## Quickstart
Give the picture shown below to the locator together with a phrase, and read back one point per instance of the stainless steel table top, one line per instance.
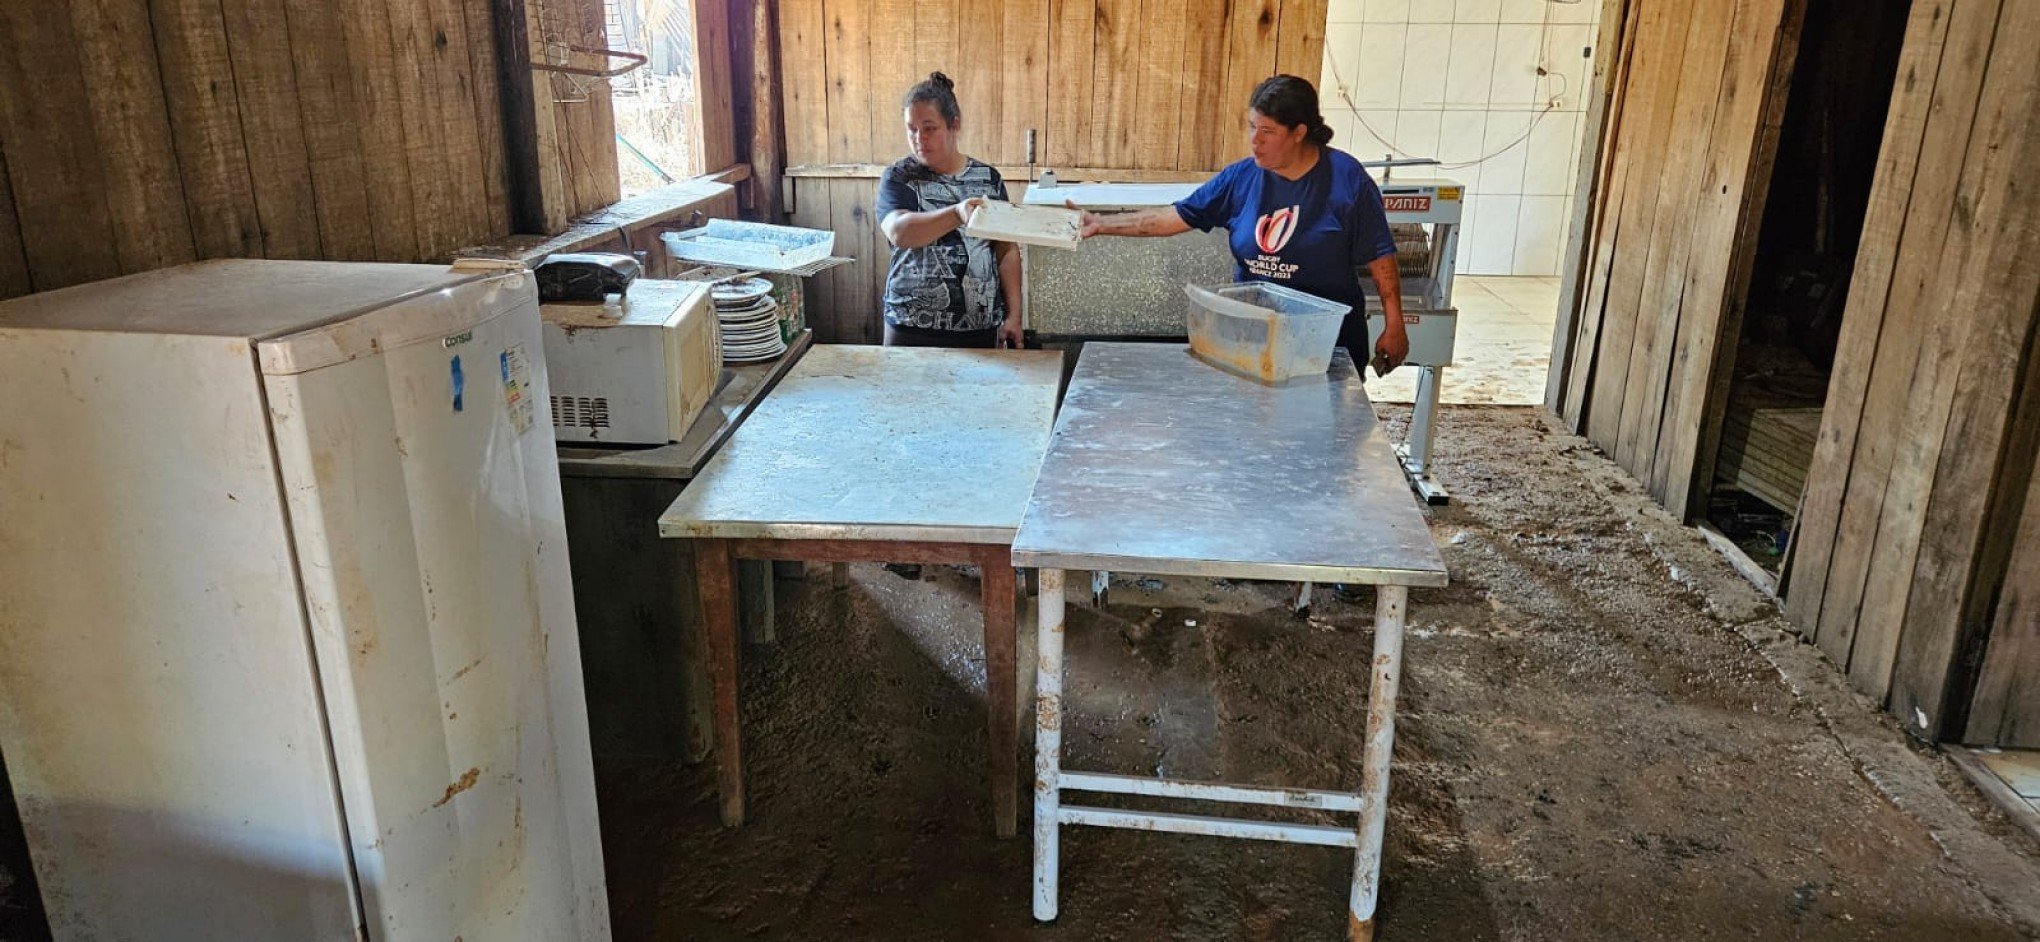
(1164, 464)
(882, 443)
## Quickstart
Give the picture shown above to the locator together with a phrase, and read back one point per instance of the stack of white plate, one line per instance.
(750, 321)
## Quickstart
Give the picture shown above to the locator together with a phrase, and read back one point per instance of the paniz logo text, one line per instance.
(1406, 204)
(457, 339)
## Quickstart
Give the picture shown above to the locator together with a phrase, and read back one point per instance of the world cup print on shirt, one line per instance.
(1271, 235)
(1273, 230)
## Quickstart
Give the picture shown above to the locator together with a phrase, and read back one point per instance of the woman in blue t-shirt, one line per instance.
(1298, 213)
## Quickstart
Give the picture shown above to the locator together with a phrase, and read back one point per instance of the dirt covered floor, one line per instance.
(1604, 734)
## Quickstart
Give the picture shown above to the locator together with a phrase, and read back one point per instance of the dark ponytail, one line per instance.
(940, 90)
(1291, 102)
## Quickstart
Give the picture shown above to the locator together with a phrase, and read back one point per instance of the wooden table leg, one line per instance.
(995, 568)
(716, 573)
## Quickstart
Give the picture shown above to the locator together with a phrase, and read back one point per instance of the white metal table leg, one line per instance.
(1415, 451)
(1390, 605)
(1048, 711)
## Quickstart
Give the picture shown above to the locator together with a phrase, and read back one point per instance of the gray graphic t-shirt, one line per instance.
(952, 283)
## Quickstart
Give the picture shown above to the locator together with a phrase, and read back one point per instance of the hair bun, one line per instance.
(942, 81)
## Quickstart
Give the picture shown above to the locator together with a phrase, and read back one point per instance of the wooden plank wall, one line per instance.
(1911, 516)
(1129, 85)
(136, 134)
(1685, 165)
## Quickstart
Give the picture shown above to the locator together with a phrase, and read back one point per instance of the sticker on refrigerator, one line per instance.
(517, 387)
(459, 383)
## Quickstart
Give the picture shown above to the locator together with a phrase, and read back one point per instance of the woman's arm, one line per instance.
(912, 230)
(1007, 255)
(1394, 345)
(1158, 221)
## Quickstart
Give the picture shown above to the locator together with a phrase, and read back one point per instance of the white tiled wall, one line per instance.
(1459, 80)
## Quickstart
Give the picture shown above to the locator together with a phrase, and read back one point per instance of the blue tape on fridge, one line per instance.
(459, 383)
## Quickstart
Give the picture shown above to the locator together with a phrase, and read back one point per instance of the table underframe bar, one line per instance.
(1371, 801)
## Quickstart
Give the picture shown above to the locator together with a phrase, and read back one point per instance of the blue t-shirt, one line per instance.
(1313, 234)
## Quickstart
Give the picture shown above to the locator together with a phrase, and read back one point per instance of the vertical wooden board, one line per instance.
(1115, 82)
(1160, 60)
(856, 307)
(468, 72)
(2005, 710)
(1699, 86)
(1922, 416)
(124, 88)
(13, 262)
(936, 23)
(1025, 77)
(717, 81)
(1899, 351)
(417, 107)
(767, 144)
(878, 256)
(583, 117)
(1300, 41)
(272, 127)
(459, 127)
(980, 51)
(803, 68)
(1202, 114)
(1589, 197)
(1959, 556)
(810, 209)
(53, 157)
(1662, 53)
(1624, 129)
(892, 73)
(1734, 190)
(205, 125)
(1072, 30)
(485, 73)
(744, 84)
(1249, 58)
(548, 119)
(326, 96)
(380, 136)
(1862, 323)
(849, 39)
(604, 182)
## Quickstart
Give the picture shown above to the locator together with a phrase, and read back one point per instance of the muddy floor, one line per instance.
(1596, 741)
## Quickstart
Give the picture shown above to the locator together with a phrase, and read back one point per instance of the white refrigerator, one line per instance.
(287, 644)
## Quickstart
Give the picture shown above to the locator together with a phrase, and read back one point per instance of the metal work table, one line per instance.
(1162, 464)
(877, 454)
(641, 632)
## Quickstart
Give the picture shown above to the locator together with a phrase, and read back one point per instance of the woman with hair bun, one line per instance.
(943, 288)
(1299, 214)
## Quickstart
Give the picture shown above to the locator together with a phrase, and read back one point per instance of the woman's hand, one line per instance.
(966, 208)
(1393, 348)
(1087, 224)
(1010, 336)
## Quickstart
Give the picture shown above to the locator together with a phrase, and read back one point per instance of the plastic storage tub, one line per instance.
(1262, 331)
(751, 245)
